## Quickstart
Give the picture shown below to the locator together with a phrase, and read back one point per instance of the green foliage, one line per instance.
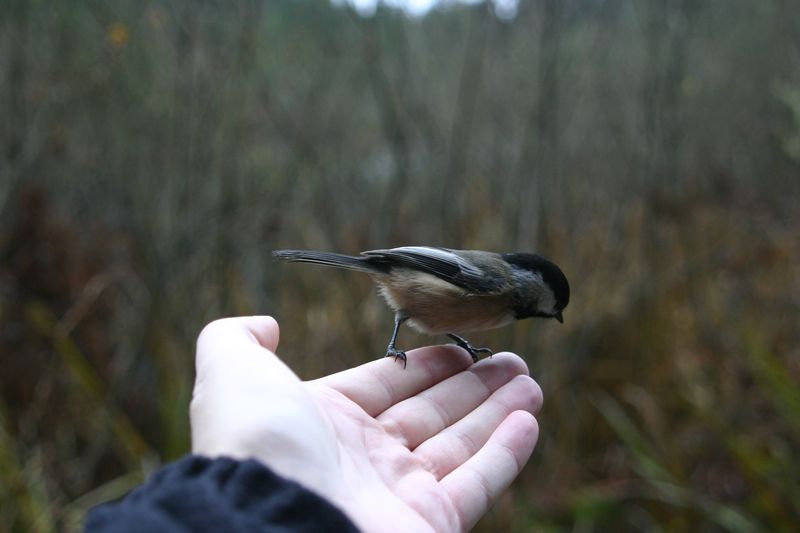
(153, 153)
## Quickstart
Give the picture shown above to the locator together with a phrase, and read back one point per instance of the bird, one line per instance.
(444, 291)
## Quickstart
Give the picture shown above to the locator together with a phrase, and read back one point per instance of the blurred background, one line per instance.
(152, 153)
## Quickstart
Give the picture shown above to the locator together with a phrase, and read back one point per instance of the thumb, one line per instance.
(238, 377)
(234, 338)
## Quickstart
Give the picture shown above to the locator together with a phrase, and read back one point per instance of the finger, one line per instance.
(238, 377)
(475, 485)
(456, 444)
(377, 385)
(247, 403)
(230, 340)
(426, 414)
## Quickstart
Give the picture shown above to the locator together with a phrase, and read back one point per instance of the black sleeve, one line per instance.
(198, 494)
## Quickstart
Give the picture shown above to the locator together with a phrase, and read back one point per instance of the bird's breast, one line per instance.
(433, 305)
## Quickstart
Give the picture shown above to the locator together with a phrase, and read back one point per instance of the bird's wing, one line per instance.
(440, 262)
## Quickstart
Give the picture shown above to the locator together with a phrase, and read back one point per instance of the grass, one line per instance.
(154, 155)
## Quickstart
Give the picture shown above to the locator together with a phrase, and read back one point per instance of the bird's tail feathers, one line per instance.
(328, 259)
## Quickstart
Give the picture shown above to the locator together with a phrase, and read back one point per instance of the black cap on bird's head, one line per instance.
(554, 280)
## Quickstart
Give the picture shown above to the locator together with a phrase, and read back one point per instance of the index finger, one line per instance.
(475, 485)
(377, 385)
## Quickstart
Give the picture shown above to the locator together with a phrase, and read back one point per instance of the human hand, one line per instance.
(421, 449)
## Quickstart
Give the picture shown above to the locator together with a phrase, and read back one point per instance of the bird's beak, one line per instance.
(559, 317)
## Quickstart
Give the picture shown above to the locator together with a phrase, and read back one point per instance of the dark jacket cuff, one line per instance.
(199, 494)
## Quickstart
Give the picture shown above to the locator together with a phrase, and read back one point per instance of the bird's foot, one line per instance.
(391, 351)
(474, 352)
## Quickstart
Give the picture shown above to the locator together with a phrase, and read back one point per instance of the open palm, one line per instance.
(425, 448)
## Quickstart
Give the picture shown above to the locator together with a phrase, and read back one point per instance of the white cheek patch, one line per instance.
(545, 299)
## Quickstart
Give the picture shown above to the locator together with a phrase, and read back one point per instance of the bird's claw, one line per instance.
(397, 354)
(473, 352)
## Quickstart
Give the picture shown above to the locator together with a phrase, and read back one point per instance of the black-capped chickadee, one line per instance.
(442, 291)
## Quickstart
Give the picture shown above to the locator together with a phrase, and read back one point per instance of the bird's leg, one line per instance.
(469, 348)
(391, 350)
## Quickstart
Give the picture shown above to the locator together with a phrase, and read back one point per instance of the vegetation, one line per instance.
(153, 153)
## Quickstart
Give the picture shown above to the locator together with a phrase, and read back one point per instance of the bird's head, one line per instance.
(543, 286)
